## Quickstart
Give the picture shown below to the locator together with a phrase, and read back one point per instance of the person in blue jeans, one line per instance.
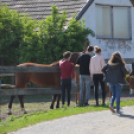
(83, 61)
(115, 72)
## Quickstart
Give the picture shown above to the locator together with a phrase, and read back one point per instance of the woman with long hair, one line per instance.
(115, 71)
(96, 64)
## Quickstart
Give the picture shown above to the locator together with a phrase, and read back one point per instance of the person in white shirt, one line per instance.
(96, 64)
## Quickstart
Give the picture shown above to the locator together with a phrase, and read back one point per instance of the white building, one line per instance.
(111, 20)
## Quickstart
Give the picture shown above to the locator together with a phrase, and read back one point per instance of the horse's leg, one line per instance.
(110, 94)
(10, 105)
(76, 99)
(58, 100)
(106, 90)
(77, 85)
(21, 98)
(21, 81)
(53, 100)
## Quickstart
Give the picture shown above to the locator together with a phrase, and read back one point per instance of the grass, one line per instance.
(14, 123)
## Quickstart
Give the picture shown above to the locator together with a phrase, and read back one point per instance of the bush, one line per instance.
(20, 42)
(16, 36)
(55, 39)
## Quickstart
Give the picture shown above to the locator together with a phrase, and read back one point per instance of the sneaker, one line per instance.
(63, 105)
(80, 104)
(86, 104)
(97, 104)
(118, 112)
(112, 110)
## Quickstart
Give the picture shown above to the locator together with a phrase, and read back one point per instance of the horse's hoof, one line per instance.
(23, 109)
(25, 112)
(76, 104)
(57, 106)
(51, 107)
(9, 113)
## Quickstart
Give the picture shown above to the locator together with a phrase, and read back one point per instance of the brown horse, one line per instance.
(42, 79)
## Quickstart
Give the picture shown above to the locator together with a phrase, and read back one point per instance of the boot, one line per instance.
(97, 103)
(103, 102)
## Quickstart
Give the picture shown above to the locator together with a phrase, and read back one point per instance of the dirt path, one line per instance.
(103, 122)
(42, 102)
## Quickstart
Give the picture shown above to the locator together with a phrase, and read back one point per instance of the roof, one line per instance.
(40, 9)
(87, 5)
(84, 9)
(132, 1)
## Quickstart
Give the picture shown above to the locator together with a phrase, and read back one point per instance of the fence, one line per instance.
(10, 70)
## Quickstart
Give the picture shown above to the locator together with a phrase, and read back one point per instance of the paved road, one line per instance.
(103, 122)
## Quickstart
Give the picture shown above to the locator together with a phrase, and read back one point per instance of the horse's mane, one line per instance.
(74, 56)
(41, 65)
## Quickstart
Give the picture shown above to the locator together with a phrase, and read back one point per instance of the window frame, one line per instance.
(112, 23)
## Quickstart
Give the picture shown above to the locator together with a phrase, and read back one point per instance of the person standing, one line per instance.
(115, 72)
(84, 60)
(67, 72)
(96, 64)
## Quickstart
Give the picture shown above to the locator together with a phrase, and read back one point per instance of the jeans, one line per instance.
(66, 85)
(116, 93)
(84, 80)
(98, 78)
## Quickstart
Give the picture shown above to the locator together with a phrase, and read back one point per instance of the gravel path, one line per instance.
(103, 122)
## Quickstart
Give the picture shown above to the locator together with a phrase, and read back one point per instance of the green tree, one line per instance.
(76, 34)
(10, 34)
(28, 47)
(20, 42)
(54, 39)
(16, 36)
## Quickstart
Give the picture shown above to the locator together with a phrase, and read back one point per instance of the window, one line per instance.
(113, 22)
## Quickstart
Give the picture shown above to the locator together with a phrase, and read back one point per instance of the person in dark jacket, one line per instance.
(115, 72)
(84, 61)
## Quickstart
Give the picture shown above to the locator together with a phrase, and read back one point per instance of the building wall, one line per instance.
(108, 46)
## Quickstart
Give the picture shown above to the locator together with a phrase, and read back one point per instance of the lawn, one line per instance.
(38, 110)
(13, 123)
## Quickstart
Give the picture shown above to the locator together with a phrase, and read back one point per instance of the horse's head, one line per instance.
(74, 57)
